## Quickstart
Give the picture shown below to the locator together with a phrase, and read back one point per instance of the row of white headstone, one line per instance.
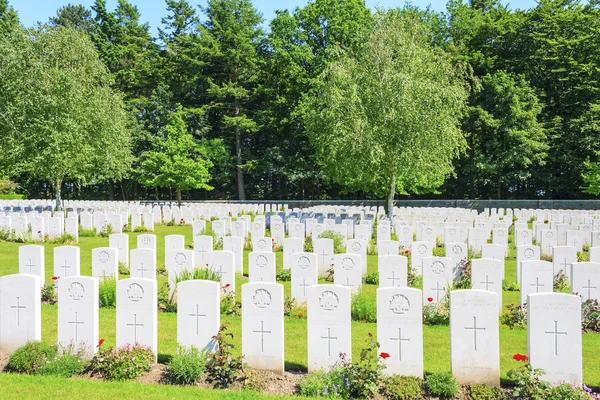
(554, 324)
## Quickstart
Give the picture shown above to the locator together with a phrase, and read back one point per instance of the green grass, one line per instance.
(436, 338)
(20, 387)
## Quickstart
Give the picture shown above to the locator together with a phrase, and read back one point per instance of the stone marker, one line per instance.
(222, 263)
(585, 280)
(536, 277)
(136, 313)
(562, 259)
(66, 261)
(486, 275)
(143, 263)
(474, 337)
(235, 244)
(420, 250)
(387, 247)
(120, 241)
(20, 311)
(105, 263)
(526, 253)
(393, 271)
(146, 241)
(305, 273)
(177, 262)
(198, 313)
(400, 329)
(476, 239)
(323, 248)
(262, 326)
(358, 247)
(203, 245)
(78, 320)
(32, 261)
(261, 266)
(437, 278)
(262, 243)
(291, 246)
(348, 271)
(554, 336)
(328, 308)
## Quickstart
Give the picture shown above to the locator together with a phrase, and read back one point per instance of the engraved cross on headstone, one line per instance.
(537, 284)
(18, 307)
(30, 266)
(393, 278)
(197, 315)
(76, 324)
(556, 333)
(474, 328)
(65, 267)
(487, 283)
(262, 333)
(437, 290)
(135, 325)
(589, 287)
(564, 264)
(329, 338)
(400, 339)
(323, 254)
(304, 286)
(142, 269)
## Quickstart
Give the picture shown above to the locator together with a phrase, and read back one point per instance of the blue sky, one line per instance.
(32, 11)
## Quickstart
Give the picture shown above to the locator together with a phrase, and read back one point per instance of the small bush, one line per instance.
(324, 384)
(372, 278)
(106, 230)
(308, 244)
(187, 365)
(484, 392)
(515, 317)
(107, 293)
(222, 368)
(293, 309)
(590, 316)
(64, 240)
(363, 308)
(414, 280)
(86, 232)
(338, 240)
(464, 275)
(398, 387)
(124, 363)
(437, 313)
(38, 358)
(123, 269)
(229, 306)
(571, 392)
(510, 286)
(528, 384)
(205, 274)
(165, 301)
(49, 293)
(284, 275)
(442, 384)
(140, 229)
(562, 283)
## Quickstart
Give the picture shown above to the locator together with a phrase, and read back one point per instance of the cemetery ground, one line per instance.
(436, 339)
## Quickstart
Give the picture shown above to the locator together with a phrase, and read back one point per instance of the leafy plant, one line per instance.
(372, 278)
(123, 363)
(561, 283)
(222, 368)
(140, 229)
(308, 244)
(38, 358)
(123, 269)
(86, 232)
(187, 365)
(165, 300)
(107, 293)
(338, 240)
(442, 384)
(106, 231)
(590, 316)
(49, 293)
(528, 384)
(206, 274)
(362, 375)
(324, 383)
(464, 275)
(510, 286)
(571, 392)
(293, 309)
(398, 387)
(484, 392)
(437, 313)
(363, 308)
(284, 275)
(515, 316)
(414, 280)
(229, 306)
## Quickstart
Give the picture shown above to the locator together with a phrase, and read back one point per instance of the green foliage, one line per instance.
(510, 286)
(205, 274)
(363, 373)
(308, 244)
(7, 187)
(528, 384)
(108, 293)
(222, 367)
(323, 383)
(123, 363)
(86, 232)
(229, 306)
(562, 284)
(123, 269)
(38, 358)
(464, 275)
(372, 278)
(590, 315)
(484, 392)
(437, 313)
(106, 230)
(284, 275)
(442, 384)
(363, 308)
(398, 387)
(515, 316)
(338, 240)
(187, 366)
(293, 309)
(176, 160)
(49, 294)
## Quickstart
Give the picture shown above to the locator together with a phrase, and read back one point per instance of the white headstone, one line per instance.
(328, 325)
(348, 271)
(235, 244)
(486, 275)
(203, 245)
(143, 263)
(585, 280)
(262, 326)
(20, 311)
(198, 313)
(323, 248)
(437, 277)
(393, 271)
(291, 246)
(261, 243)
(222, 263)
(32, 261)
(526, 253)
(137, 320)
(419, 251)
(536, 277)
(304, 274)
(177, 262)
(562, 259)
(66, 261)
(261, 266)
(146, 241)
(358, 247)
(120, 241)
(105, 263)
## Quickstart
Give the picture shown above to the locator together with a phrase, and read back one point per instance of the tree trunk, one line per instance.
(390, 199)
(57, 194)
(239, 170)
(178, 196)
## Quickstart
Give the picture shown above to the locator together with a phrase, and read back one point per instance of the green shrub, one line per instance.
(561, 283)
(284, 275)
(107, 293)
(64, 240)
(372, 278)
(515, 317)
(205, 274)
(571, 392)
(106, 230)
(338, 240)
(363, 308)
(437, 313)
(86, 232)
(324, 384)
(308, 244)
(165, 301)
(49, 293)
(398, 387)
(510, 286)
(590, 316)
(140, 229)
(38, 358)
(123, 363)
(293, 309)
(222, 368)
(414, 280)
(484, 392)
(123, 269)
(464, 275)
(442, 385)
(528, 384)
(187, 365)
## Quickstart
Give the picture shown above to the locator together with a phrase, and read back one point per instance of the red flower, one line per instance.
(55, 278)
(370, 334)
(546, 221)
(513, 223)
(430, 299)
(39, 232)
(101, 342)
(384, 355)
(228, 285)
(273, 239)
(125, 225)
(406, 251)
(207, 264)
(520, 357)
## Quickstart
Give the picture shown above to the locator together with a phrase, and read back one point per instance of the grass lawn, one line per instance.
(436, 338)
